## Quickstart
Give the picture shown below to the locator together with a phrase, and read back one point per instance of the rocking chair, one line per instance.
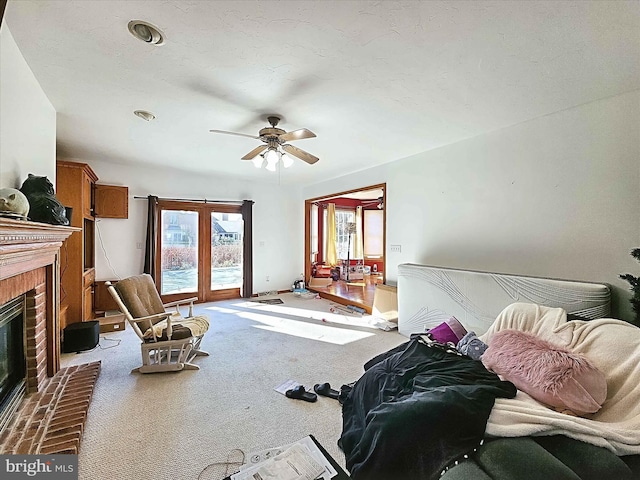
(169, 340)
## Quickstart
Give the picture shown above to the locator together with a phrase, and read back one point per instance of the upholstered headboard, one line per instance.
(428, 295)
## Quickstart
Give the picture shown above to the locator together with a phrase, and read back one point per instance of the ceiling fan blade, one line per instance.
(301, 154)
(255, 152)
(297, 135)
(234, 133)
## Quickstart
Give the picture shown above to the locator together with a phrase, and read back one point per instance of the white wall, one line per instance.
(27, 119)
(277, 221)
(558, 196)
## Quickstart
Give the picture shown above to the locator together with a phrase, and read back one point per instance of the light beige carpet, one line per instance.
(174, 425)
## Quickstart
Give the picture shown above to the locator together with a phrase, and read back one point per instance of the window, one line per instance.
(201, 250)
(373, 233)
(343, 218)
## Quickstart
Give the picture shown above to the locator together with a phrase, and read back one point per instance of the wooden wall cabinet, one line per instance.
(111, 201)
(76, 188)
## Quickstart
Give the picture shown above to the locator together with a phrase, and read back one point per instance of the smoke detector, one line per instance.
(146, 32)
(143, 114)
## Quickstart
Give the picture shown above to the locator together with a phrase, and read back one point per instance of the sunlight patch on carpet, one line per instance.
(222, 309)
(290, 311)
(296, 328)
(318, 311)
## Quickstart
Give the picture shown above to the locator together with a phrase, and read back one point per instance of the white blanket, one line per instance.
(613, 346)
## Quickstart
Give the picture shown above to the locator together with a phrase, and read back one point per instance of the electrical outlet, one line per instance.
(267, 278)
(395, 248)
(139, 245)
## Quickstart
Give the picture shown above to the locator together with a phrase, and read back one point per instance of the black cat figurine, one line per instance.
(44, 206)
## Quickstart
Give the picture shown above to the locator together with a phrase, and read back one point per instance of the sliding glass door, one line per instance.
(179, 248)
(226, 250)
(200, 250)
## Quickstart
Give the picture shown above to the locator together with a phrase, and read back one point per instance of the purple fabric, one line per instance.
(448, 331)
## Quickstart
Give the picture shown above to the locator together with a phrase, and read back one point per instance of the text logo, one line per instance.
(51, 467)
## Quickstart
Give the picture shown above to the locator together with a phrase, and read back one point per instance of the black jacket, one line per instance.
(416, 409)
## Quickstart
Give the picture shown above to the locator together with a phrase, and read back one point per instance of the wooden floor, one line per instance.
(357, 292)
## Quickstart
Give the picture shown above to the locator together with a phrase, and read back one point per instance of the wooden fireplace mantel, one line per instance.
(26, 247)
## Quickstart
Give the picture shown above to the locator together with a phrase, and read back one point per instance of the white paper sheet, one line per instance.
(260, 456)
(294, 463)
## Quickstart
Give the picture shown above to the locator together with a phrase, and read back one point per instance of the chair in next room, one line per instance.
(169, 341)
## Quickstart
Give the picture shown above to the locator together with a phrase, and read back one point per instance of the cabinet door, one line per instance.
(87, 304)
(87, 195)
(111, 201)
(88, 280)
(63, 316)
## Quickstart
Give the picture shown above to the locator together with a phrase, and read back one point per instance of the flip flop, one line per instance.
(299, 393)
(325, 390)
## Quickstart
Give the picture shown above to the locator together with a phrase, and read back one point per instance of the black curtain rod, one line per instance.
(206, 200)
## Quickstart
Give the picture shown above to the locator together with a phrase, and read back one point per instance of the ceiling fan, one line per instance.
(379, 203)
(276, 145)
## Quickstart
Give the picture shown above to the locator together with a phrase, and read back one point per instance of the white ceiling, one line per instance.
(375, 80)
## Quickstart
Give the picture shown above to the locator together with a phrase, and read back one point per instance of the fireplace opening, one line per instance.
(12, 358)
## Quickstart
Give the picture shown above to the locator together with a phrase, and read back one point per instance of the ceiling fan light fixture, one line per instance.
(287, 161)
(272, 156)
(146, 32)
(271, 166)
(258, 161)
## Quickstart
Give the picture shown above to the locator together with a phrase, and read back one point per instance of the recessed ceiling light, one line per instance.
(146, 32)
(143, 114)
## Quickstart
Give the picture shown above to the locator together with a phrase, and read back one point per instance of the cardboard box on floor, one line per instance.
(111, 321)
(385, 303)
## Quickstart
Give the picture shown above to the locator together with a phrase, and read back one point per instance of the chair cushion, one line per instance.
(587, 461)
(180, 328)
(520, 458)
(140, 295)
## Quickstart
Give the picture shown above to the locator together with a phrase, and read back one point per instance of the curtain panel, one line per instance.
(247, 253)
(358, 241)
(152, 227)
(331, 256)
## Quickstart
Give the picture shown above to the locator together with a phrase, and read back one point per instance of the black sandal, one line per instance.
(325, 390)
(299, 393)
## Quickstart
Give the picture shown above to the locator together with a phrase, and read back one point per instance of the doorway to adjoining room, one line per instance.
(345, 238)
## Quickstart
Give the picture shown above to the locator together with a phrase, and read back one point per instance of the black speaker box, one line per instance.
(81, 336)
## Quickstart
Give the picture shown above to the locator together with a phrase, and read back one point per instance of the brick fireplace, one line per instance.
(29, 268)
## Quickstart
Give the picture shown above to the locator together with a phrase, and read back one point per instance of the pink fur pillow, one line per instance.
(549, 373)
